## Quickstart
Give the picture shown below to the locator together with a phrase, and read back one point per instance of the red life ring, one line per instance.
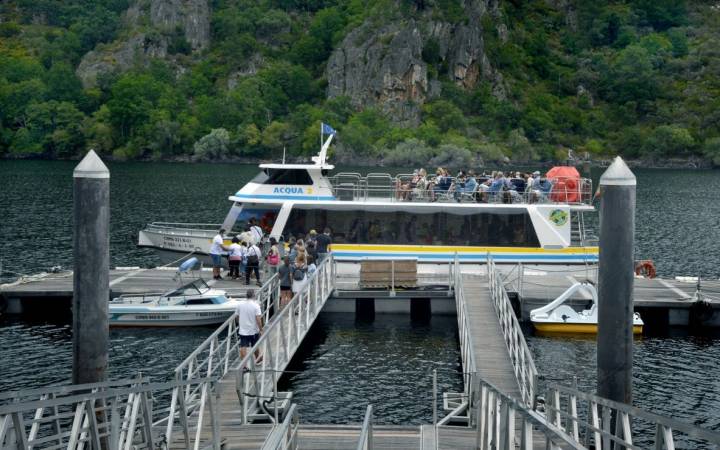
(646, 268)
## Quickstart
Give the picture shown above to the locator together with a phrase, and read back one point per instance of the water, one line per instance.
(387, 362)
(678, 225)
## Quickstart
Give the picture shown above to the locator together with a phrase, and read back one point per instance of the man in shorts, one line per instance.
(249, 324)
(216, 251)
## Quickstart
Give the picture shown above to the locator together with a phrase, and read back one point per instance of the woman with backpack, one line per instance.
(299, 273)
(252, 256)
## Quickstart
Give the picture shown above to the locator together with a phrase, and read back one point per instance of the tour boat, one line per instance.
(371, 217)
(557, 317)
(192, 304)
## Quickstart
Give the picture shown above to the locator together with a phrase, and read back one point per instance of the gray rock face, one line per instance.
(383, 66)
(193, 16)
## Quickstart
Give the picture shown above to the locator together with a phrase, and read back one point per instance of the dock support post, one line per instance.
(91, 278)
(615, 283)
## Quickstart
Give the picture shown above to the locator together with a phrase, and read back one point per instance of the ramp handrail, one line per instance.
(257, 381)
(284, 436)
(365, 441)
(520, 355)
(115, 415)
(588, 420)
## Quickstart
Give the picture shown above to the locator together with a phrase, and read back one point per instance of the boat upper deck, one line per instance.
(563, 190)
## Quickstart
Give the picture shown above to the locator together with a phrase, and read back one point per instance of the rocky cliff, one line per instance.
(151, 26)
(386, 65)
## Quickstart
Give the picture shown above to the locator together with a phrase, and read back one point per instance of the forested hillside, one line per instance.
(404, 82)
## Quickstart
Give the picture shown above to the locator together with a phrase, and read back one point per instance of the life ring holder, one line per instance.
(645, 268)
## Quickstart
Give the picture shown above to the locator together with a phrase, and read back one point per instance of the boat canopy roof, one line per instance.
(195, 287)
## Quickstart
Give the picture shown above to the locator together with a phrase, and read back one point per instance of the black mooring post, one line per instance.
(91, 278)
(615, 283)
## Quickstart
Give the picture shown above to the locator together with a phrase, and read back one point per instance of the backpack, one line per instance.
(252, 259)
(273, 258)
(298, 274)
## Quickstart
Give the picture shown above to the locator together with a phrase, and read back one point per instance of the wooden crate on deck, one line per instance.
(378, 273)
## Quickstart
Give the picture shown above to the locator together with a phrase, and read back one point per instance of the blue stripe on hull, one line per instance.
(477, 257)
(285, 197)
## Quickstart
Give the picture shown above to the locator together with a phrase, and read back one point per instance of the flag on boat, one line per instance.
(327, 129)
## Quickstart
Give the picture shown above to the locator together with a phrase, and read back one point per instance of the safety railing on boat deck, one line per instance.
(256, 381)
(365, 442)
(400, 188)
(184, 227)
(601, 423)
(217, 353)
(115, 415)
(520, 355)
(285, 435)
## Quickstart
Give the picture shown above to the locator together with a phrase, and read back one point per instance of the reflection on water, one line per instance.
(388, 362)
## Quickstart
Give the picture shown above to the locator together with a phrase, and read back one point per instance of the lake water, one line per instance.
(678, 226)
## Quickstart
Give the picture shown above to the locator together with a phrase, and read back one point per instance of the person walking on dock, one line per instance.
(253, 256)
(235, 257)
(273, 258)
(216, 251)
(324, 242)
(249, 324)
(285, 274)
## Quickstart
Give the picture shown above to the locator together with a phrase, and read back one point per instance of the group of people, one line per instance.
(244, 253)
(498, 186)
(301, 262)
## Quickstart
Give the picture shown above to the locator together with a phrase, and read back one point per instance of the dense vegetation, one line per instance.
(635, 77)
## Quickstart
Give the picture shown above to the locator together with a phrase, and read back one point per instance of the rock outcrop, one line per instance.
(384, 66)
(191, 17)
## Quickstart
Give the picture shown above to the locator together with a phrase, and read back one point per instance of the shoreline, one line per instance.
(692, 163)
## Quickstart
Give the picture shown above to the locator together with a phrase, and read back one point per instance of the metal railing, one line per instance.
(285, 435)
(256, 381)
(520, 355)
(115, 415)
(595, 421)
(365, 441)
(386, 187)
(503, 422)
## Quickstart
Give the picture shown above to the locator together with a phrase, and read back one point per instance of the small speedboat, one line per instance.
(192, 304)
(556, 317)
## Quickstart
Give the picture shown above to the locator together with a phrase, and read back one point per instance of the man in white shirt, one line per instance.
(216, 251)
(256, 231)
(249, 324)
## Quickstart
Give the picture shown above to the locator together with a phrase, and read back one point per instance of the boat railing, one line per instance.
(285, 435)
(523, 364)
(398, 188)
(214, 227)
(597, 422)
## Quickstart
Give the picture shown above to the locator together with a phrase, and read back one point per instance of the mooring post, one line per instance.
(91, 278)
(615, 283)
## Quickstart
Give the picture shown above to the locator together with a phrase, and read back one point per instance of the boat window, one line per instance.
(199, 301)
(288, 176)
(260, 178)
(508, 228)
(264, 216)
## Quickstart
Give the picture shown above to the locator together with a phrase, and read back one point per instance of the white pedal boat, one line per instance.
(192, 304)
(556, 317)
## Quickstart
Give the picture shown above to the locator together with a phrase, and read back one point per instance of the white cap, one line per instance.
(91, 166)
(618, 174)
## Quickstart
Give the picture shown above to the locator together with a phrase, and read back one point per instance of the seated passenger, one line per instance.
(421, 185)
(543, 187)
(470, 185)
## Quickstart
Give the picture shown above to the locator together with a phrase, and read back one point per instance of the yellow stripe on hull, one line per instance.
(462, 249)
(574, 328)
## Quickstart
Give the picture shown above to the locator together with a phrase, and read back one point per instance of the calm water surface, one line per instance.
(678, 225)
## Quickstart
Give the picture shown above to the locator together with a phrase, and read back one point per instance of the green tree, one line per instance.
(214, 145)
(669, 140)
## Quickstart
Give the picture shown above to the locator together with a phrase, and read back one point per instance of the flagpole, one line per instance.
(321, 134)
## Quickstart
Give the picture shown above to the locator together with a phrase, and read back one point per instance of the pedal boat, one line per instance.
(558, 318)
(192, 304)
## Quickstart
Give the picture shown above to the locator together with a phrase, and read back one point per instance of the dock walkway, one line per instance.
(490, 351)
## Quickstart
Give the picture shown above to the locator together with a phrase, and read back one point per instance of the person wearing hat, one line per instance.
(312, 237)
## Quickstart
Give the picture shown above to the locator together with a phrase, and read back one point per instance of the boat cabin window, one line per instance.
(508, 228)
(199, 301)
(288, 176)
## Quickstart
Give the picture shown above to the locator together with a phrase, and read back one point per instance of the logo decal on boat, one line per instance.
(558, 217)
(288, 190)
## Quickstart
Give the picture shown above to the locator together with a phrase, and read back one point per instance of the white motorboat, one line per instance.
(382, 216)
(192, 304)
(557, 317)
